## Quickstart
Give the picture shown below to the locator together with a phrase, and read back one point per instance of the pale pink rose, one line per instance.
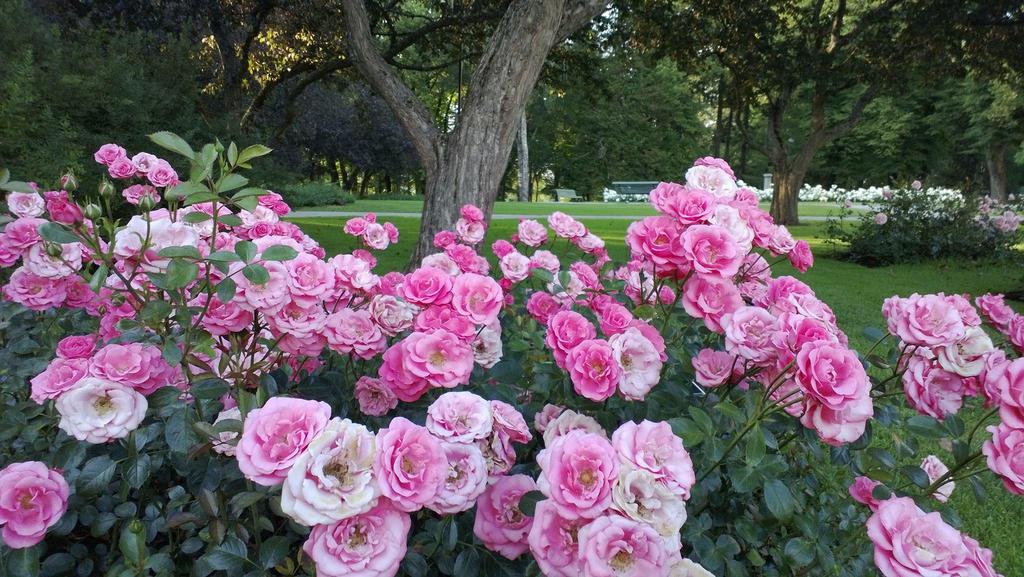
(460, 417)
(542, 307)
(108, 153)
(932, 390)
(733, 222)
(510, 422)
(614, 319)
(1008, 380)
(310, 279)
(515, 266)
(136, 365)
(639, 361)
(578, 470)
(353, 274)
(909, 542)
(831, 375)
(995, 310)
(710, 298)
(225, 318)
(356, 226)
(352, 331)
(35, 292)
(711, 250)
(39, 262)
(566, 330)
(144, 161)
(546, 260)
(76, 347)
(161, 174)
(531, 232)
(372, 544)
(545, 416)
(276, 434)
(444, 317)
(470, 232)
(712, 179)
(748, 334)
(862, 491)
(800, 256)
(935, 468)
(20, 235)
(439, 357)
(717, 163)
(99, 411)
(499, 523)
(333, 478)
(477, 297)
(835, 427)
(654, 448)
(25, 204)
(268, 297)
(613, 546)
(962, 304)
(688, 568)
(427, 286)
(881, 218)
(391, 314)
(122, 168)
(568, 421)
(566, 226)
(1015, 333)
(713, 368)
(916, 185)
(652, 334)
(376, 236)
(410, 464)
(1005, 455)
(593, 369)
(639, 496)
(374, 396)
(966, 357)
(554, 541)
(466, 479)
(136, 192)
(928, 320)
(227, 440)
(33, 498)
(59, 376)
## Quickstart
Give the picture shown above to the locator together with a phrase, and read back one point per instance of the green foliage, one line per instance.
(314, 194)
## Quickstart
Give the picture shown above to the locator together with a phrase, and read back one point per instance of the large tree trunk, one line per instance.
(995, 158)
(524, 162)
(785, 195)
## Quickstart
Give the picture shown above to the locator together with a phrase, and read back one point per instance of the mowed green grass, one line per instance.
(855, 293)
(546, 208)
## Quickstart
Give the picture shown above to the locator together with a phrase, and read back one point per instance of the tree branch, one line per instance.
(851, 120)
(577, 14)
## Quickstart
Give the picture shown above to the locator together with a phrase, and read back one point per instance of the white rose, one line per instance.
(966, 357)
(640, 361)
(98, 411)
(226, 444)
(712, 179)
(687, 568)
(570, 420)
(638, 495)
(487, 349)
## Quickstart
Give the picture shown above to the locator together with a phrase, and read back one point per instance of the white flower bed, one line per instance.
(818, 193)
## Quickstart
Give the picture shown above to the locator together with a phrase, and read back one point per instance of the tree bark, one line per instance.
(467, 165)
(524, 163)
(995, 159)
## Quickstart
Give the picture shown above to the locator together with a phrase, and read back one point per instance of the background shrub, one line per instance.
(314, 194)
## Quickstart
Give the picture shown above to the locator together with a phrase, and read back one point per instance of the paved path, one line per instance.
(343, 214)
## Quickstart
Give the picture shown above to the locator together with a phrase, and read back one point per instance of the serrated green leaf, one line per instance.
(180, 252)
(779, 499)
(173, 142)
(251, 152)
(247, 192)
(256, 273)
(16, 186)
(245, 250)
(279, 252)
(96, 475)
(179, 274)
(799, 551)
(58, 233)
(184, 189)
(226, 290)
(230, 182)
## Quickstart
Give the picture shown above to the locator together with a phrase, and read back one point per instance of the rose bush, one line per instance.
(200, 389)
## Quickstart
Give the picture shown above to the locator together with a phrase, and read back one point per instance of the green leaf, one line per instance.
(273, 551)
(916, 475)
(230, 182)
(180, 252)
(171, 352)
(543, 274)
(197, 217)
(244, 500)
(184, 189)
(799, 551)
(873, 334)
(881, 492)
(467, 564)
(96, 475)
(224, 256)
(200, 197)
(156, 310)
(702, 419)
(132, 543)
(232, 154)
(414, 565)
(226, 290)
(230, 220)
(5, 175)
(173, 142)
(245, 250)
(231, 555)
(248, 203)
(779, 499)
(451, 538)
(16, 186)
(247, 192)
(209, 389)
(256, 273)
(180, 273)
(528, 502)
(925, 426)
(251, 152)
(279, 252)
(23, 562)
(755, 450)
(99, 278)
(58, 233)
(980, 494)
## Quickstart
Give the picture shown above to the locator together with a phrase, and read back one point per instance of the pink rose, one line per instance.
(477, 297)
(1015, 333)
(593, 369)
(470, 232)
(25, 204)
(927, 321)
(713, 179)
(711, 250)
(995, 310)
(76, 347)
(471, 213)
(391, 314)
(909, 542)
(717, 163)
(1008, 379)
(443, 239)
(510, 422)
(639, 360)
(931, 390)
(658, 240)
(99, 411)
(687, 205)
(578, 470)
(439, 357)
(566, 226)
(935, 468)
(881, 218)
(161, 174)
(831, 375)
(748, 334)
(862, 491)
(35, 292)
(1005, 454)
(426, 286)
(20, 235)
(460, 417)
(410, 465)
(122, 168)
(352, 331)
(566, 330)
(139, 366)
(532, 233)
(800, 256)
(515, 266)
(613, 546)
(144, 161)
(108, 153)
(554, 541)
(710, 298)
(225, 318)
(33, 498)
(837, 426)
(654, 448)
(466, 479)
(372, 544)
(374, 396)
(652, 334)
(546, 260)
(542, 307)
(276, 434)
(544, 417)
(59, 376)
(310, 279)
(499, 523)
(614, 319)
(502, 247)
(713, 368)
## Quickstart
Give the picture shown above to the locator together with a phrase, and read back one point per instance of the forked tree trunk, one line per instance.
(995, 159)
(524, 162)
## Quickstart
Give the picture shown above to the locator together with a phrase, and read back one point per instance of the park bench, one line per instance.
(567, 193)
(633, 190)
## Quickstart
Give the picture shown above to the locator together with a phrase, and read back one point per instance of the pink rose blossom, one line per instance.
(33, 498)
(471, 213)
(995, 310)
(713, 368)
(443, 239)
(831, 375)
(566, 330)
(35, 292)
(76, 347)
(532, 233)
(554, 541)
(614, 319)
(710, 298)
(639, 360)
(909, 542)
(613, 546)
(391, 314)
(470, 231)
(862, 491)
(546, 260)
(410, 464)
(713, 179)
(578, 470)
(935, 468)
(515, 266)
(717, 163)
(310, 279)
(426, 286)
(108, 153)
(654, 448)
(502, 247)
(352, 331)
(374, 396)
(372, 544)
(800, 256)
(1005, 454)
(542, 307)
(658, 240)
(544, 417)
(748, 334)
(25, 204)
(928, 320)
(931, 390)
(99, 411)
(162, 175)
(276, 434)
(59, 376)
(139, 366)
(593, 369)
(566, 226)
(122, 168)
(466, 479)
(144, 161)
(1008, 380)
(711, 250)
(460, 417)
(499, 523)
(477, 297)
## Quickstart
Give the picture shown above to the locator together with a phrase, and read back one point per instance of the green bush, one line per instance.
(314, 194)
(911, 226)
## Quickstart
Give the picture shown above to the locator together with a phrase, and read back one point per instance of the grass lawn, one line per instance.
(546, 208)
(854, 292)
